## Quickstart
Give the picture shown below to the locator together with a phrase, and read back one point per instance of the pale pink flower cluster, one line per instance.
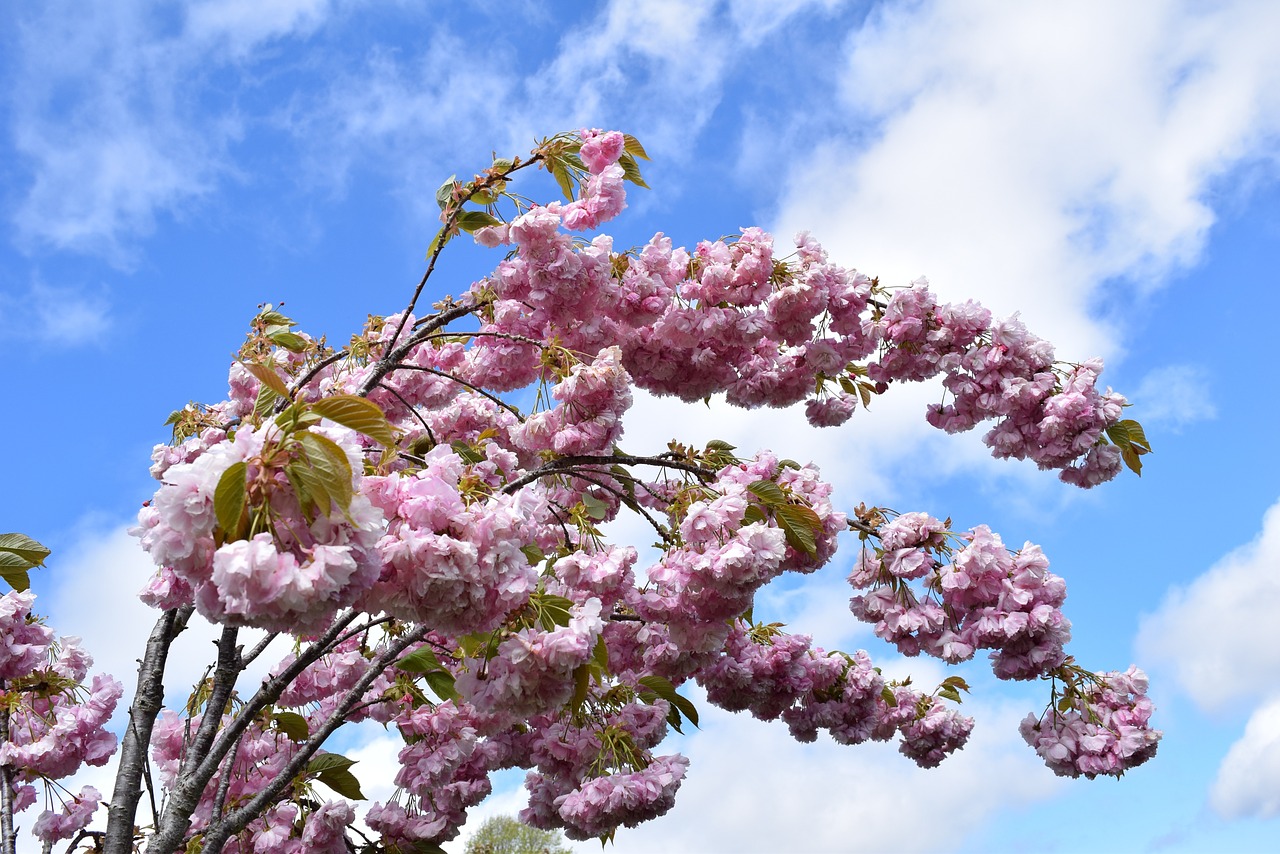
(23, 645)
(533, 670)
(52, 733)
(75, 816)
(999, 371)
(444, 770)
(260, 758)
(454, 566)
(984, 597)
(1105, 731)
(617, 800)
(588, 416)
(780, 675)
(292, 578)
(586, 782)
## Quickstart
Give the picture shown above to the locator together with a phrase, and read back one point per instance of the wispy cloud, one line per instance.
(115, 120)
(66, 317)
(1175, 396)
(1007, 167)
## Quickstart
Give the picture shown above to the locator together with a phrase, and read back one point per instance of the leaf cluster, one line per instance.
(18, 555)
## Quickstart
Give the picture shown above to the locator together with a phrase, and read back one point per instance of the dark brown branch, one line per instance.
(147, 701)
(172, 827)
(236, 820)
(568, 465)
(315, 369)
(185, 794)
(259, 649)
(450, 223)
(446, 375)
(397, 354)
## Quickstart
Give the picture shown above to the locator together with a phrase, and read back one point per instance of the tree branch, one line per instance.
(172, 829)
(566, 465)
(236, 820)
(147, 701)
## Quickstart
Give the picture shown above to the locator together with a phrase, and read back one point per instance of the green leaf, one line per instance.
(359, 414)
(561, 174)
(581, 685)
(421, 660)
(720, 445)
(444, 194)
(268, 377)
(667, 691)
(1132, 458)
(950, 693)
(632, 146)
(265, 401)
(292, 724)
(600, 655)
(769, 493)
(1119, 434)
(801, 526)
(552, 611)
(754, 514)
(631, 171)
(533, 554)
(471, 221)
(502, 164)
(271, 317)
(441, 681)
(438, 242)
(890, 698)
(330, 467)
(229, 501)
(13, 570)
(1137, 436)
(28, 550)
(596, 508)
(470, 454)
(332, 769)
(291, 341)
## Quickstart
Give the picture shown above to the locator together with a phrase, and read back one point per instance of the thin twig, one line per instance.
(446, 375)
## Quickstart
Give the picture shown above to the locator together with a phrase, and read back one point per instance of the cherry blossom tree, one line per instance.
(419, 521)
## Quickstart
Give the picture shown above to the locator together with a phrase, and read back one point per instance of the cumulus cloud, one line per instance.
(1216, 635)
(1248, 782)
(1007, 169)
(751, 788)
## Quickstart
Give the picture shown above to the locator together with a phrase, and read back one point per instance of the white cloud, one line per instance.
(1217, 634)
(110, 113)
(750, 787)
(1009, 167)
(244, 24)
(1175, 396)
(1248, 783)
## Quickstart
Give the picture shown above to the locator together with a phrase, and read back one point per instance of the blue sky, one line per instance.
(1108, 170)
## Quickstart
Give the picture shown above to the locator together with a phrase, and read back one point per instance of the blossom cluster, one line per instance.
(53, 722)
(773, 674)
(1103, 728)
(981, 597)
